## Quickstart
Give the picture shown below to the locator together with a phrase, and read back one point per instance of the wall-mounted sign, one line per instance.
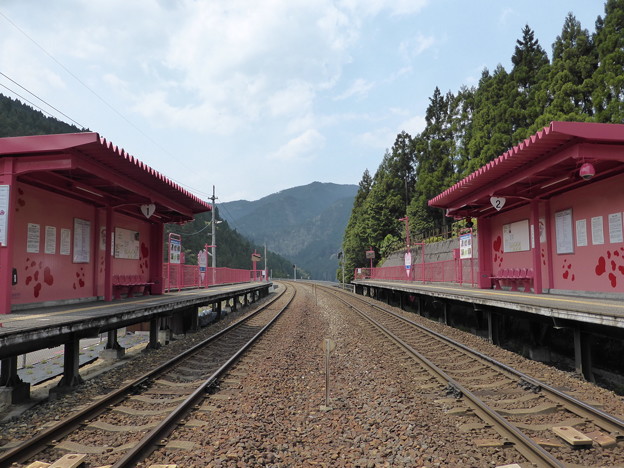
(465, 246)
(4, 213)
(516, 236)
(82, 240)
(408, 262)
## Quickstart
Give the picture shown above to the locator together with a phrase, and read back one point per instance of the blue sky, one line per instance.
(259, 96)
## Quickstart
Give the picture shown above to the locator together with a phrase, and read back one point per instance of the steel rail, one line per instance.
(532, 451)
(39, 442)
(149, 443)
(608, 422)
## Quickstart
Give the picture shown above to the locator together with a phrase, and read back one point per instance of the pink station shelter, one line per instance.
(553, 207)
(75, 210)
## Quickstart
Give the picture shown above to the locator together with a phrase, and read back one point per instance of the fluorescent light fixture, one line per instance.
(88, 191)
(555, 182)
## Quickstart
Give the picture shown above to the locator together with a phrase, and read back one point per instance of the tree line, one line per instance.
(582, 81)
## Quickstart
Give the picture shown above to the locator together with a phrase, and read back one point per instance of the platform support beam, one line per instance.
(11, 382)
(493, 327)
(217, 308)
(234, 303)
(154, 330)
(71, 366)
(583, 355)
(113, 350)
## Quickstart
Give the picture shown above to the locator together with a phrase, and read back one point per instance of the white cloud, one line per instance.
(301, 147)
(416, 45)
(359, 89)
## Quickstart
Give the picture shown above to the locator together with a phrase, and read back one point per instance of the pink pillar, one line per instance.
(6, 251)
(484, 242)
(108, 262)
(537, 266)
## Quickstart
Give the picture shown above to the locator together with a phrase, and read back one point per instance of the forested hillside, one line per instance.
(234, 251)
(304, 224)
(582, 80)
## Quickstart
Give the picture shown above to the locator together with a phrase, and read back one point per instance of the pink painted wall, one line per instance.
(521, 259)
(592, 267)
(124, 266)
(44, 277)
(589, 268)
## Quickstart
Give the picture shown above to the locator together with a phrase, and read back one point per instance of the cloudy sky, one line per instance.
(256, 96)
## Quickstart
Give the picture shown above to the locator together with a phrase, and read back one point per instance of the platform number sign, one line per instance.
(497, 202)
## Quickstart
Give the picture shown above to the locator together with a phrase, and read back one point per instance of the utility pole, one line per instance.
(266, 270)
(214, 232)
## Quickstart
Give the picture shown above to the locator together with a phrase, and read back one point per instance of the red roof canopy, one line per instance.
(85, 166)
(540, 167)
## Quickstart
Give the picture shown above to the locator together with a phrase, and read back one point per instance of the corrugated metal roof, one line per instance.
(113, 175)
(535, 159)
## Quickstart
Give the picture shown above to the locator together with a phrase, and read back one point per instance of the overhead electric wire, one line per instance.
(42, 100)
(29, 102)
(155, 143)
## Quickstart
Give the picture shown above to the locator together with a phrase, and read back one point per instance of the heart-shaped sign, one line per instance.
(148, 210)
(497, 202)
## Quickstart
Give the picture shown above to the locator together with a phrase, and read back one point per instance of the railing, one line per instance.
(448, 271)
(177, 277)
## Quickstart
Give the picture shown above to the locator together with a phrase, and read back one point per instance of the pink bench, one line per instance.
(514, 276)
(129, 283)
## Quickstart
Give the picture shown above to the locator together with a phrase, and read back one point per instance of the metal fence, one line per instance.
(460, 271)
(177, 277)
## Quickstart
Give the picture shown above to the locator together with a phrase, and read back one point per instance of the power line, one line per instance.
(33, 94)
(155, 143)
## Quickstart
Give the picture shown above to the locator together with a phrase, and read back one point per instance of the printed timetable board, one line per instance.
(516, 236)
(126, 244)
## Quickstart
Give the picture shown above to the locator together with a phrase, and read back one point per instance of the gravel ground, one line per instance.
(271, 408)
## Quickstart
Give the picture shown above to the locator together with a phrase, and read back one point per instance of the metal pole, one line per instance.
(214, 232)
(266, 271)
(295, 272)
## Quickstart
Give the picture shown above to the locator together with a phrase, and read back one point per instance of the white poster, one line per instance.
(82, 240)
(615, 228)
(563, 230)
(50, 240)
(465, 246)
(4, 213)
(516, 236)
(581, 232)
(597, 230)
(33, 239)
(126, 244)
(65, 248)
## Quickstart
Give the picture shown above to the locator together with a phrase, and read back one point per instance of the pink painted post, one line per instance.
(8, 196)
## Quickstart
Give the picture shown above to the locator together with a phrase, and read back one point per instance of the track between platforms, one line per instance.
(512, 407)
(126, 425)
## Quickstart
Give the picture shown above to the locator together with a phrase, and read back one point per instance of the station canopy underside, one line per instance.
(86, 167)
(542, 166)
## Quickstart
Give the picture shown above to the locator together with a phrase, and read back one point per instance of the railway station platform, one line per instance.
(39, 328)
(587, 317)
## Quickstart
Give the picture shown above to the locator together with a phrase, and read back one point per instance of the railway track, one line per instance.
(501, 405)
(126, 425)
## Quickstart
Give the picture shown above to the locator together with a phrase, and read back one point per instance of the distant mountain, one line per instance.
(304, 224)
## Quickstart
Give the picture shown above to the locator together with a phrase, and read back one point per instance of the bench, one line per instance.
(131, 283)
(514, 276)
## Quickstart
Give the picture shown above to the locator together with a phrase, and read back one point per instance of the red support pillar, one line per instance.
(7, 178)
(537, 257)
(484, 242)
(108, 259)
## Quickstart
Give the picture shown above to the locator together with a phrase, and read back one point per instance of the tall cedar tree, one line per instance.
(530, 67)
(435, 148)
(608, 80)
(566, 92)
(355, 238)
